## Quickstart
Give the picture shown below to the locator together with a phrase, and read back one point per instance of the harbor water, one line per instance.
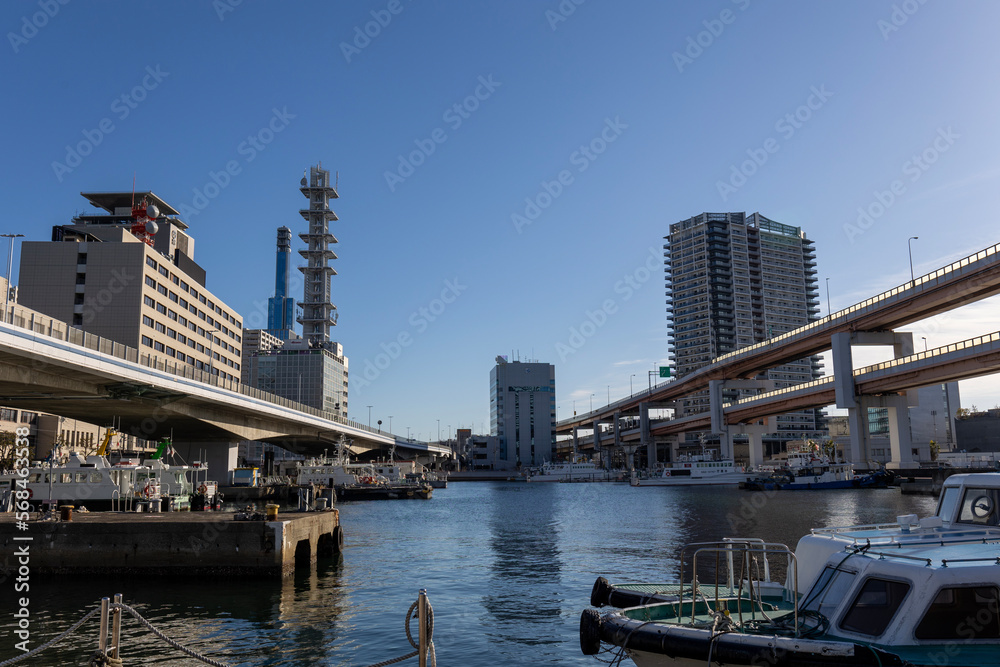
(508, 568)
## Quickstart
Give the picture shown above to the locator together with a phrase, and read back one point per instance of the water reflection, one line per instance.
(524, 592)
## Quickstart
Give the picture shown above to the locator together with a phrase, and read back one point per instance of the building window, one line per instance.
(78, 319)
(29, 417)
(202, 298)
(161, 309)
(147, 341)
(172, 315)
(182, 321)
(151, 262)
(184, 286)
(164, 272)
(78, 300)
(173, 297)
(158, 346)
(183, 303)
(170, 351)
(81, 279)
(150, 282)
(148, 301)
(161, 289)
(171, 333)
(8, 415)
(175, 279)
(160, 328)
(81, 258)
(147, 320)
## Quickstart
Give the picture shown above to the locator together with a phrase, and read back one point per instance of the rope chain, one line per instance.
(51, 642)
(409, 638)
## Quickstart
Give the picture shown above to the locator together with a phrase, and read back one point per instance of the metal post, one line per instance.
(422, 620)
(116, 626)
(102, 641)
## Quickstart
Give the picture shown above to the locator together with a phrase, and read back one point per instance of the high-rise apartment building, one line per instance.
(129, 275)
(734, 280)
(523, 412)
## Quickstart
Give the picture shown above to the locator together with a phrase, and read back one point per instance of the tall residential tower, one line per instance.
(734, 280)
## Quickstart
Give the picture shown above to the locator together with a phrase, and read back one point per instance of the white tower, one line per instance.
(318, 311)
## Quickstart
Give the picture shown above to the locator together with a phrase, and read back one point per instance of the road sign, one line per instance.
(664, 371)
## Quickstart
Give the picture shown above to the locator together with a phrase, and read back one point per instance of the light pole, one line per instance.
(828, 311)
(407, 433)
(924, 338)
(439, 430)
(574, 407)
(211, 351)
(390, 423)
(609, 394)
(909, 247)
(591, 402)
(10, 260)
(630, 384)
(369, 416)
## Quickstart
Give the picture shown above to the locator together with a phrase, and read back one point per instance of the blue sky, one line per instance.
(583, 129)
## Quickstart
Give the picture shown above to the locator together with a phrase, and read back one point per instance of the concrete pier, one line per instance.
(172, 544)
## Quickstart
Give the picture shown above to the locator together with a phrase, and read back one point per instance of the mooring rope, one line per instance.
(51, 642)
(409, 638)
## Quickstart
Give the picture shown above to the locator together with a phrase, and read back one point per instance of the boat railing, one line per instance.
(746, 549)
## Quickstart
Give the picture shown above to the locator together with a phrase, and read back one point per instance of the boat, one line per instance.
(915, 592)
(360, 481)
(691, 470)
(807, 471)
(92, 482)
(578, 470)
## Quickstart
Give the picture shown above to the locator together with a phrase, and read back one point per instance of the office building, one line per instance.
(522, 412)
(734, 280)
(128, 274)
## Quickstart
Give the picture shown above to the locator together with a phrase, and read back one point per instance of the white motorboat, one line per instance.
(917, 592)
(695, 469)
(579, 471)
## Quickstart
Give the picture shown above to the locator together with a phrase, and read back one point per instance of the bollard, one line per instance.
(102, 642)
(116, 626)
(422, 621)
(66, 512)
(272, 512)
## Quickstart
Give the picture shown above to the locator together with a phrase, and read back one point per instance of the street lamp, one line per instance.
(390, 423)
(10, 260)
(574, 407)
(828, 297)
(369, 416)
(924, 338)
(211, 351)
(591, 402)
(909, 247)
(407, 433)
(439, 430)
(609, 394)
(630, 384)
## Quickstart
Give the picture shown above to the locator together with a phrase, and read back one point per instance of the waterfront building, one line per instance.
(523, 412)
(129, 275)
(733, 280)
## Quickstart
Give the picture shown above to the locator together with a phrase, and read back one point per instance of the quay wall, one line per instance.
(181, 544)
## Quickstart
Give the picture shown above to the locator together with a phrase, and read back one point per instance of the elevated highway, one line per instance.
(968, 280)
(48, 366)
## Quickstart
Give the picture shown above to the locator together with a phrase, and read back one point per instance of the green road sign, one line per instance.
(664, 371)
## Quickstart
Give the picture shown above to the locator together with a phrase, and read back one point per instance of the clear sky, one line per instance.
(508, 170)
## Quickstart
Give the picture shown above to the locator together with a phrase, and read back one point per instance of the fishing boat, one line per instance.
(916, 592)
(360, 481)
(94, 483)
(691, 470)
(806, 471)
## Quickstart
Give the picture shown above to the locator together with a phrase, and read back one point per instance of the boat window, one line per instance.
(874, 606)
(979, 506)
(34, 477)
(829, 590)
(95, 477)
(949, 500)
(81, 478)
(966, 613)
(65, 478)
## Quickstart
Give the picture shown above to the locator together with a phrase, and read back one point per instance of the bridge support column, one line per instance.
(630, 456)
(218, 454)
(597, 441)
(645, 437)
(857, 407)
(717, 410)
(576, 441)
(755, 436)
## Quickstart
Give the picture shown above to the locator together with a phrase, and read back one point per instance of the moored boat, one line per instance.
(915, 592)
(692, 470)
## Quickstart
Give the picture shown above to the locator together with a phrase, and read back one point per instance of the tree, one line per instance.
(8, 442)
(935, 450)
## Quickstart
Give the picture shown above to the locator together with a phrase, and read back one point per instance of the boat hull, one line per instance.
(349, 492)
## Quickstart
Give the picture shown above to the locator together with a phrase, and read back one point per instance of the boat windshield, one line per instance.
(979, 506)
(829, 590)
(949, 500)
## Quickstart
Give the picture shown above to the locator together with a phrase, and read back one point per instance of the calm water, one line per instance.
(508, 568)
